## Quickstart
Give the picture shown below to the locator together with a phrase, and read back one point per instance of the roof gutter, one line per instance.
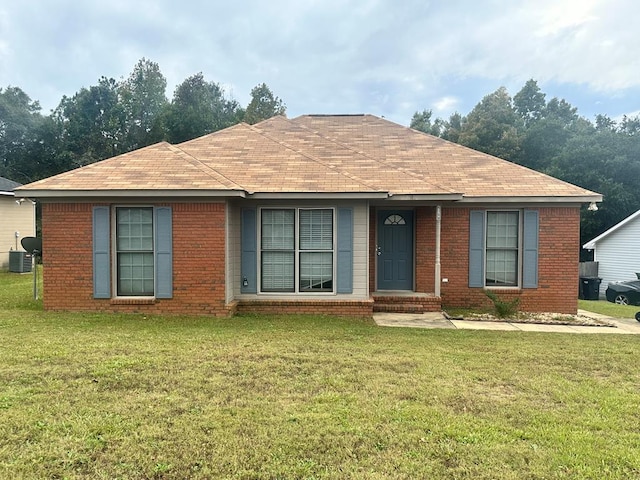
(129, 193)
(317, 195)
(596, 197)
(421, 197)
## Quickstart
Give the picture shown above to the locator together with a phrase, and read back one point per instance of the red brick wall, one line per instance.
(558, 257)
(425, 235)
(67, 256)
(198, 261)
(559, 240)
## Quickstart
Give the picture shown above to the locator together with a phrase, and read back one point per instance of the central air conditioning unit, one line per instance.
(20, 262)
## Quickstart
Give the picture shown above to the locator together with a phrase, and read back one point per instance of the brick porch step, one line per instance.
(405, 302)
(398, 307)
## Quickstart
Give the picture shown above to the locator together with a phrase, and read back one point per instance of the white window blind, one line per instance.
(502, 248)
(297, 244)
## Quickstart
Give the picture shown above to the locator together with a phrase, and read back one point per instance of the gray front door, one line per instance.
(395, 250)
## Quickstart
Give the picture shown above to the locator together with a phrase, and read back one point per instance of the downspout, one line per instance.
(438, 225)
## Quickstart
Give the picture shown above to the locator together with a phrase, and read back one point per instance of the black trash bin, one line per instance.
(590, 288)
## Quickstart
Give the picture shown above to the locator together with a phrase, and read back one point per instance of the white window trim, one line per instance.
(518, 284)
(297, 250)
(114, 254)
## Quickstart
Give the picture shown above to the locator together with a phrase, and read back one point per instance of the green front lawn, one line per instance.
(132, 396)
(608, 308)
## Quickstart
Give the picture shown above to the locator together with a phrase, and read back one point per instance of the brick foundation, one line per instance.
(346, 308)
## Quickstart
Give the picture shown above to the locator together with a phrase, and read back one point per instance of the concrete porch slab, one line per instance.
(476, 325)
(412, 320)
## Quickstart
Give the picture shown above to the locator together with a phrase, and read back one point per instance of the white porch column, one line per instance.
(438, 225)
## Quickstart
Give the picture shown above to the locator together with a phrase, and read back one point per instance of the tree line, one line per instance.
(549, 136)
(115, 117)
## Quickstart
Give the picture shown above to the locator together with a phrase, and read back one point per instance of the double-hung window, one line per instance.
(502, 248)
(134, 251)
(297, 250)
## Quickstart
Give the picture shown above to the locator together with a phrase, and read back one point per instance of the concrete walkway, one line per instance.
(438, 320)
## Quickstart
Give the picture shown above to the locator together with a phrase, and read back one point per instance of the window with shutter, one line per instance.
(134, 251)
(503, 248)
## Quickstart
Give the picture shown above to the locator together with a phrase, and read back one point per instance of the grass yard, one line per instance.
(608, 308)
(134, 397)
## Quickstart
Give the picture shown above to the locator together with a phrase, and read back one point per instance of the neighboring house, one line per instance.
(337, 214)
(17, 220)
(617, 251)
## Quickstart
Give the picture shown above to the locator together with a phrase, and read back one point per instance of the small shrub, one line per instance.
(503, 308)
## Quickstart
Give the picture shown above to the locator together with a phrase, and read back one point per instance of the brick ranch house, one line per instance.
(336, 214)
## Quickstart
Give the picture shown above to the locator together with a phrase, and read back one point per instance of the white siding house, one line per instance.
(17, 220)
(617, 251)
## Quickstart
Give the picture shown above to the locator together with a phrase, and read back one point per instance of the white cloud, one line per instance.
(619, 118)
(446, 105)
(556, 17)
(378, 56)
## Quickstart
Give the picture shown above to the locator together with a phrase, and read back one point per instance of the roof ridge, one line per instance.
(364, 154)
(211, 134)
(313, 158)
(206, 169)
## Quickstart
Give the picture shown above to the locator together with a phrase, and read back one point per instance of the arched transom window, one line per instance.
(394, 219)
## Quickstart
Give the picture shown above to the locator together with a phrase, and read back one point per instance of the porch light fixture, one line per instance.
(592, 207)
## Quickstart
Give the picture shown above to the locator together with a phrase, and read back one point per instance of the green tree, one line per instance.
(94, 123)
(630, 125)
(144, 101)
(493, 126)
(19, 120)
(452, 128)
(604, 122)
(421, 121)
(263, 105)
(198, 108)
(529, 103)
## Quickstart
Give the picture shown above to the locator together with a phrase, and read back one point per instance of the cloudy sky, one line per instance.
(385, 57)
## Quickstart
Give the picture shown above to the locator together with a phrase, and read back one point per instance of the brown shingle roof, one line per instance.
(460, 169)
(356, 154)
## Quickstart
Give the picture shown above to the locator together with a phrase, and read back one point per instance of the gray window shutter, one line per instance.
(345, 251)
(249, 254)
(476, 248)
(162, 223)
(101, 253)
(530, 249)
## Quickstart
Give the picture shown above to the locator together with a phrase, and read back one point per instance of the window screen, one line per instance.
(134, 250)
